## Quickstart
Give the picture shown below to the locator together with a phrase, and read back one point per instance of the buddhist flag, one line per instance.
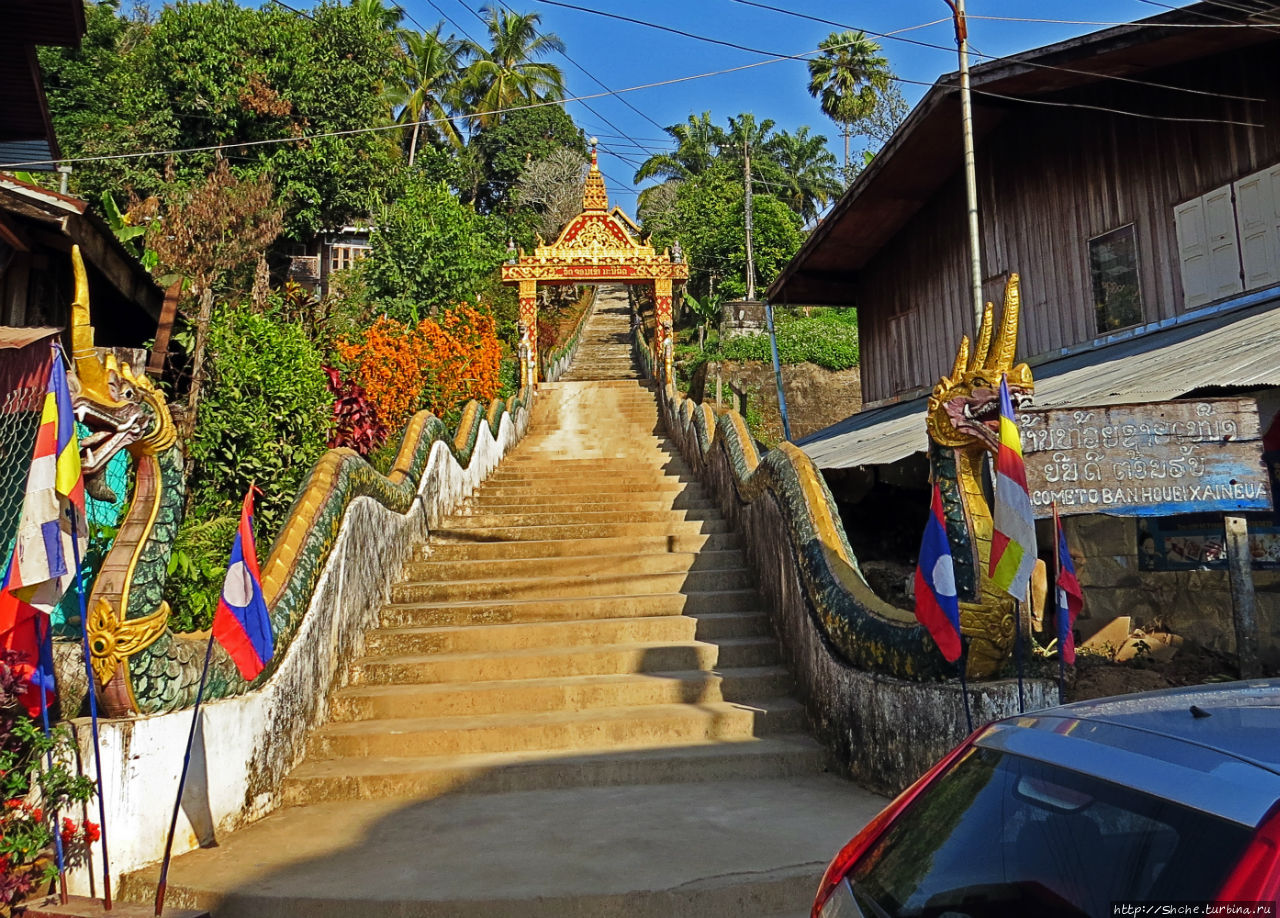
(43, 563)
(937, 605)
(1070, 598)
(1013, 543)
(241, 623)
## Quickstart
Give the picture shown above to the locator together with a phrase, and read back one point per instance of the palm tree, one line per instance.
(428, 85)
(698, 142)
(846, 78)
(809, 176)
(508, 72)
(386, 17)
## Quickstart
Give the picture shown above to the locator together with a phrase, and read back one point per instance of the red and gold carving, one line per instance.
(528, 332)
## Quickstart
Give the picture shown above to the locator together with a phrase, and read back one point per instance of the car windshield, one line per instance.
(1000, 836)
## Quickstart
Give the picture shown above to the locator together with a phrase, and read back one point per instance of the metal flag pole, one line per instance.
(46, 643)
(777, 372)
(1057, 566)
(93, 715)
(964, 686)
(1017, 651)
(970, 170)
(182, 783)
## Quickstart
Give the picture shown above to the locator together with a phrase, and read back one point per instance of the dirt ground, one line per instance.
(816, 398)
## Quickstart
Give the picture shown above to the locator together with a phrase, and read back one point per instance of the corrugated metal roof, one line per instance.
(1237, 350)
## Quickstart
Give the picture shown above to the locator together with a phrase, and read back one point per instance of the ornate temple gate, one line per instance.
(597, 245)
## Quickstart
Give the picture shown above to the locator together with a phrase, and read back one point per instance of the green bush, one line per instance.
(829, 340)
(265, 419)
(197, 568)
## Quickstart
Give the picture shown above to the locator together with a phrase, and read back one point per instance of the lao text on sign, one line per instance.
(1156, 459)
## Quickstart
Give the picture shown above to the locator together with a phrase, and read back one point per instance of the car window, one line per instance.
(1000, 836)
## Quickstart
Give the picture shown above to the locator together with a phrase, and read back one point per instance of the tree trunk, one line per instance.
(845, 131)
(417, 125)
(197, 359)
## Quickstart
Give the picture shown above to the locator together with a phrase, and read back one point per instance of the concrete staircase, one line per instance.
(604, 352)
(574, 699)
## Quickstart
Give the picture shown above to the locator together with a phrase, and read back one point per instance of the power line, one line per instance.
(1025, 63)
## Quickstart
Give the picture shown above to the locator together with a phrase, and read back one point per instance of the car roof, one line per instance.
(1223, 758)
(1243, 717)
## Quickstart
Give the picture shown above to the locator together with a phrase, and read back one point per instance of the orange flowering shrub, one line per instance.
(436, 364)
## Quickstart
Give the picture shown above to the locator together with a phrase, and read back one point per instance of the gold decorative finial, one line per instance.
(594, 196)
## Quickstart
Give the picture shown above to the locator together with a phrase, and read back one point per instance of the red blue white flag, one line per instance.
(1070, 598)
(937, 604)
(1013, 540)
(241, 623)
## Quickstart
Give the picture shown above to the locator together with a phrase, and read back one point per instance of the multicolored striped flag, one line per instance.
(937, 604)
(1013, 543)
(1070, 597)
(43, 563)
(241, 623)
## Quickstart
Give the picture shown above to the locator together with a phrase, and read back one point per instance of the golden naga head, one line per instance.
(123, 410)
(964, 408)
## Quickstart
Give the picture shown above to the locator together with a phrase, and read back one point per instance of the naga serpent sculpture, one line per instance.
(962, 421)
(140, 665)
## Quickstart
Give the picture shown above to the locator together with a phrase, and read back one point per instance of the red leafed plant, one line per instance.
(355, 420)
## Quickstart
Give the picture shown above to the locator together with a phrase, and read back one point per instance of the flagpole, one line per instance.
(182, 783)
(964, 687)
(93, 714)
(1057, 566)
(1017, 651)
(46, 641)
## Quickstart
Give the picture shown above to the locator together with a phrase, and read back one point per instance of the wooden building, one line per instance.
(1115, 222)
(1131, 177)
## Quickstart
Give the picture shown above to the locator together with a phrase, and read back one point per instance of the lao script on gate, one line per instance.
(1146, 460)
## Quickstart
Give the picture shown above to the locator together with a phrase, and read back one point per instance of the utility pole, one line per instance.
(970, 172)
(751, 261)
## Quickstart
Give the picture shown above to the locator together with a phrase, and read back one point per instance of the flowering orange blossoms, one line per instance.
(437, 364)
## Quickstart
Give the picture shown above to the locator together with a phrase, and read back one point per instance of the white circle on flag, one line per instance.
(944, 578)
(238, 588)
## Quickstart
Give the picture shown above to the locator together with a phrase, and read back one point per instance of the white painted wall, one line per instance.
(247, 745)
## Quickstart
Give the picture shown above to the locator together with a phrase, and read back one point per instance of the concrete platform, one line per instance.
(720, 848)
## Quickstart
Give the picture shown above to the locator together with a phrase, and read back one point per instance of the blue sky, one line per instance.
(622, 55)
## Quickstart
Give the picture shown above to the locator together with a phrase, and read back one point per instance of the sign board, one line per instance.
(1159, 459)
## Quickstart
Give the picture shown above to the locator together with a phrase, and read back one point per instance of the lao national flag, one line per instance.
(1070, 599)
(241, 624)
(937, 605)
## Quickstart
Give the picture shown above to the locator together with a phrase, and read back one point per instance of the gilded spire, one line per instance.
(594, 196)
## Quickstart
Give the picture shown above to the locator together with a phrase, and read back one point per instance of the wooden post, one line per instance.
(1243, 607)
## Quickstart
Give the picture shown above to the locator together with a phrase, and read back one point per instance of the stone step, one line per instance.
(650, 563)
(459, 529)
(460, 548)
(590, 503)
(534, 487)
(603, 479)
(600, 728)
(615, 583)
(742, 685)
(497, 612)
(370, 777)
(649, 629)
(485, 520)
(603, 659)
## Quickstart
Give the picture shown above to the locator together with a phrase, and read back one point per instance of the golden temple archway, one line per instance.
(595, 246)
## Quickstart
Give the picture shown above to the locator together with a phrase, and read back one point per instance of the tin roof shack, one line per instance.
(37, 230)
(1131, 177)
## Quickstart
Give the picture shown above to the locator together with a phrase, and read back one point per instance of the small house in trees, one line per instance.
(1131, 178)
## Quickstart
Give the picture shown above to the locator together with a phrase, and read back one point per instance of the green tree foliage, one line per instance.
(508, 72)
(213, 73)
(426, 88)
(504, 148)
(846, 79)
(807, 178)
(708, 218)
(266, 418)
(429, 250)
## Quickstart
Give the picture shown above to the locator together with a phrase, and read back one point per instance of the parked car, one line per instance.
(1160, 797)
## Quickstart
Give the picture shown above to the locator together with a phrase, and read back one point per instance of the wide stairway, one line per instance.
(573, 706)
